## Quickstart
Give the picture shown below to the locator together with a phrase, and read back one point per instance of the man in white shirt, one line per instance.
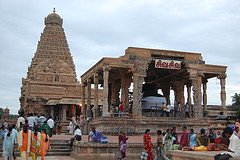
(20, 122)
(50, 123)
(31, 121)
(78, 133)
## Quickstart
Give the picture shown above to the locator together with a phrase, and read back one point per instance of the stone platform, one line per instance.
(196, 155)
(92, 151)
(136, 125)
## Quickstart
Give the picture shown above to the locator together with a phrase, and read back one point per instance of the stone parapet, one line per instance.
(92, 151)
(195, 155)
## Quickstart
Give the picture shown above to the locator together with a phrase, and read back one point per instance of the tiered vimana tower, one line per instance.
(51, 86)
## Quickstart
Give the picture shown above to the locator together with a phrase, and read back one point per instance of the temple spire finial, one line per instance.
(54, 10)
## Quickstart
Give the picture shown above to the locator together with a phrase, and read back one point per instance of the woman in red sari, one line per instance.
(148, 144)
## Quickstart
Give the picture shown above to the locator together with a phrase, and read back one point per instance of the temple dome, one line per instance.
(53, 18)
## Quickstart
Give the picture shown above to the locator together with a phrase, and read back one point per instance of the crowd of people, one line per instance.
(228, 140)
(31, 135)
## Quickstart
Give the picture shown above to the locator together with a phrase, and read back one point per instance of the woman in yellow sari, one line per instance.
(44, 143)
(35, 144)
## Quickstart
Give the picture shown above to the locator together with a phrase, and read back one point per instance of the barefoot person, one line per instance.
(8, 144)
(148, 144)
(24, 142)
(44, 143)
(35, 144)
(122, 142)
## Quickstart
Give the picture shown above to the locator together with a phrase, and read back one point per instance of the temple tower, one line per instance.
(51, 86)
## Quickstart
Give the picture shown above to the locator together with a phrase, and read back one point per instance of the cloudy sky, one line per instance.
(105, 28)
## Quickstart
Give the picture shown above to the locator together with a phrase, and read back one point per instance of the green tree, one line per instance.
(236, 102)
(1, 112)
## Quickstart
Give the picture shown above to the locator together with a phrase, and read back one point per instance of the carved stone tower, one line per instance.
(51, 81)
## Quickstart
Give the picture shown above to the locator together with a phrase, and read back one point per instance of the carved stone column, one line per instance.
(222, 78)
(205, 95)
(178, 88)
(137, 94)
(105, 90)
(113, 93)
(125, 84)
(83, 99)
(89, 82)
(52, 112)
(95, 108)
(139, 72)
(64, 110)
(123, 90)
(189, 98)
(166, 92)
(197, 97)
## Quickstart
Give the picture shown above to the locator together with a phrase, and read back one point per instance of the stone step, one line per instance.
(58, 148)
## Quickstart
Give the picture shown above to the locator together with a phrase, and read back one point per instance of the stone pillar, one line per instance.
(205, 95)
(89, 82)
(113, 94)
(137, 94)
(95, 108)
(105, 90)
(178, 88)
(189, 98)
(123, 90)
(125, 84)
(166, 92)
(222, 78)
(52, 112)
(83, 109)
(64, 110)
(73, 109)
(197, 97)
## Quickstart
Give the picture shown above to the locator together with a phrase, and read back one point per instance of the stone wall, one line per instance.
(93, 151)
(195, 155)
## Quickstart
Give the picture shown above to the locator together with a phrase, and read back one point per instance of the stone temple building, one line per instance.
(146, 71)
(51, 86)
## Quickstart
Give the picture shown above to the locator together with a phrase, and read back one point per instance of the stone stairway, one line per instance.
(58, 148)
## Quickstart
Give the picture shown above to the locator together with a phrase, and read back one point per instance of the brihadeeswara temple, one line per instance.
(51, 86)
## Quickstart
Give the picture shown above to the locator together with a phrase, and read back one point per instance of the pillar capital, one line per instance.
(83, 85)
(222, 76)
(106, 68)
(95, 75)
(89, 80)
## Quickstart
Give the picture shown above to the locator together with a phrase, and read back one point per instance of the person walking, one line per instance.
(24, 142)
(8, 145)
(35, 144)
(148, 144)
(20, 122)
(44, 143)
(159, 145)
(122, 142)
(50, 123)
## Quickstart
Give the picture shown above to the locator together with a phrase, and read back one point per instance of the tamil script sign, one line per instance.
(167, 64)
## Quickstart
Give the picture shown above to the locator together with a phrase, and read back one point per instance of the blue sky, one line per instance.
(105, 28)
